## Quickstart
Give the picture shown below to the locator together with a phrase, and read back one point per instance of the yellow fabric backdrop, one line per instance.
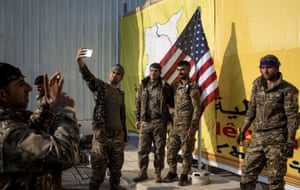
(239, 32)
(133, 56)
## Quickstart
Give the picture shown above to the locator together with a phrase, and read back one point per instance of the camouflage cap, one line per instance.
(8, 73)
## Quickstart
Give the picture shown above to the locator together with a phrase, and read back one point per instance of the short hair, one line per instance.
(39, 80)
(156, 66)
(183, 63)
(118, 67)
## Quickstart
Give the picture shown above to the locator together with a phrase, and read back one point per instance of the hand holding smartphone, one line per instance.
(88, 53)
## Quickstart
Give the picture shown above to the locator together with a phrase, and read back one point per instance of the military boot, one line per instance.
(158, 178)
(183, 180)
(141, 177)
(170, 177)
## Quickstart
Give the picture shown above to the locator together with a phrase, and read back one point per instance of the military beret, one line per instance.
(8, 73)
(269, 60)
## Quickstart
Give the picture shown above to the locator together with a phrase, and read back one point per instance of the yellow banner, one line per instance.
(148, 34)
(239, 32)
(242, 37)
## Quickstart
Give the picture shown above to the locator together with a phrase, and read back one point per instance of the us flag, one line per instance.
(192, 46)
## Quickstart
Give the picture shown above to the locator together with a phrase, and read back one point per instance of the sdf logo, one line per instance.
(159, 38)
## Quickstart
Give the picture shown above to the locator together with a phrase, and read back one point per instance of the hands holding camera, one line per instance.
(53, 92)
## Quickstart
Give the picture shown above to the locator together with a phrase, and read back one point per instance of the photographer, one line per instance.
(28, 153)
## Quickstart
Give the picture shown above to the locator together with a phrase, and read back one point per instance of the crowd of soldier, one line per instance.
(37, 146)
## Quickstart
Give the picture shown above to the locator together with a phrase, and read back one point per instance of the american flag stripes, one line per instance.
(192, 46)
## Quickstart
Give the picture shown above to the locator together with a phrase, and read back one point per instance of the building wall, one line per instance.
(43, 36)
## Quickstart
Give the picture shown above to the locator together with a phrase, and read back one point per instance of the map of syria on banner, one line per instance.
(192, 46)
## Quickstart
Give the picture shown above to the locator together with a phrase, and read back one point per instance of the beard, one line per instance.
(270, 76)
(183, 76)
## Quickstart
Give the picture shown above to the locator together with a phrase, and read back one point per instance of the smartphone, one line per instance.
(88, 53)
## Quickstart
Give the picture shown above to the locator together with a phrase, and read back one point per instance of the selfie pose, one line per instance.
(110, 134)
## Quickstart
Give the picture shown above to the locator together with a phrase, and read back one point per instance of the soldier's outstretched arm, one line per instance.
(91, 80)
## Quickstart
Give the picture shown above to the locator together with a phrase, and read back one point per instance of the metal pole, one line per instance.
(199, 147)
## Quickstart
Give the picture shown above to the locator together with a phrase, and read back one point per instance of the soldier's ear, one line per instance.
(3, 94)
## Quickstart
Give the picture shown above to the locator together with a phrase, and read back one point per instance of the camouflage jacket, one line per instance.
(27, 153)
(99, 89)
(41, 118)
(187, 104)
(165, 96)
(274, 109)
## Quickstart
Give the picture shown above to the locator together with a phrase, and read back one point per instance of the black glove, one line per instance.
(290, 149)
(240, 138)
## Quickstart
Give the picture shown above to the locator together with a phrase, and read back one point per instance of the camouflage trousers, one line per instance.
(265, 151)
(44, 181)
(57, 180)
(107, 152)
(28, 181)
(178, 141)
(155, 133)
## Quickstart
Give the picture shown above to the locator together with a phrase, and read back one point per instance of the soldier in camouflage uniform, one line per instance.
(42, 110)
(110, 134)
(27, 152)
(152, 115)
(186, 123)
(41, 101)
(273, 109)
